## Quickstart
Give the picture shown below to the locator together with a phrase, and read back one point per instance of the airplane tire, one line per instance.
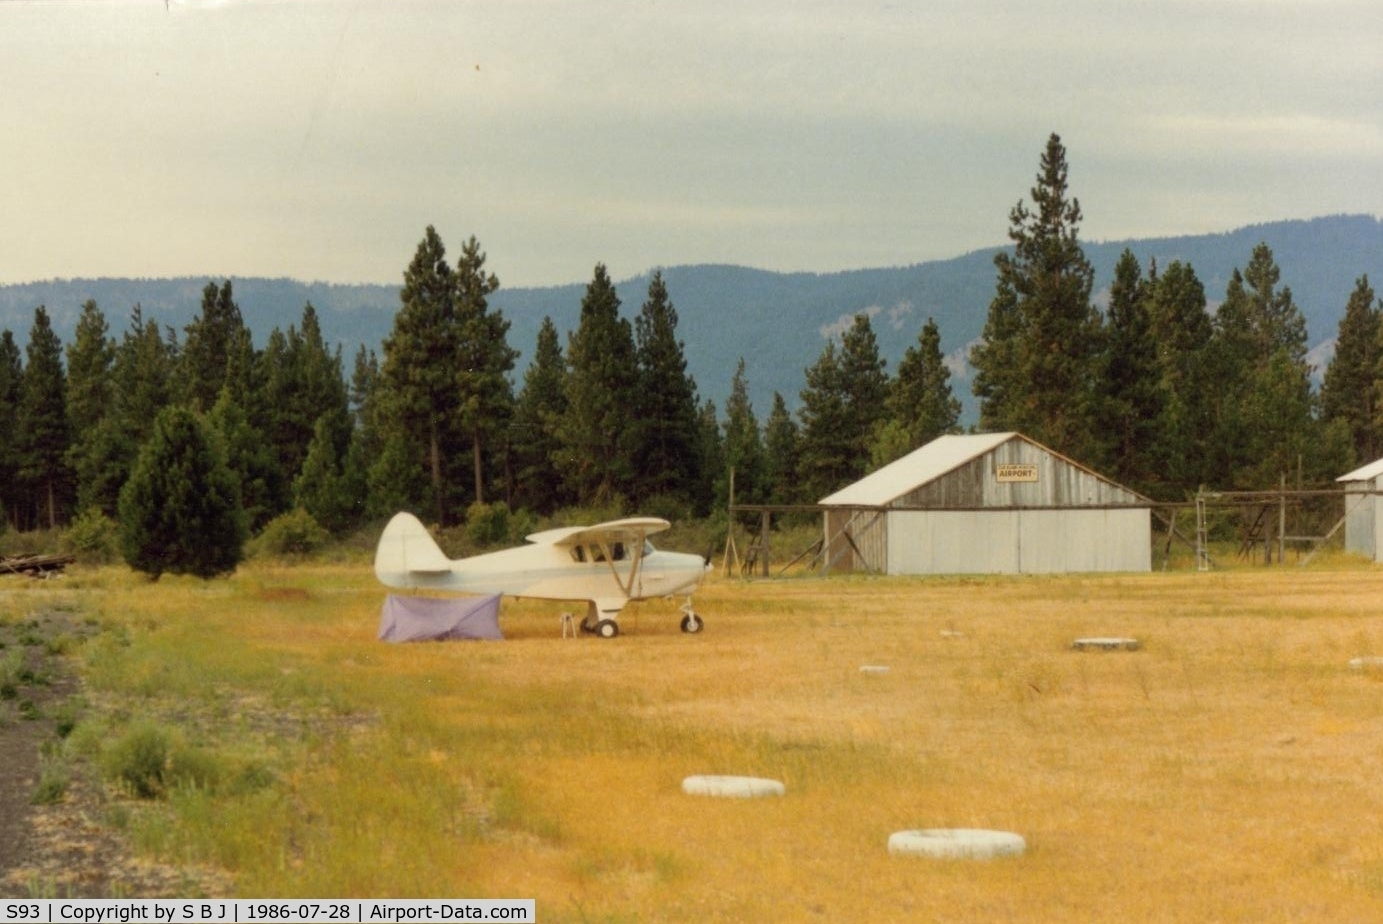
(692, 623)
(607, 628)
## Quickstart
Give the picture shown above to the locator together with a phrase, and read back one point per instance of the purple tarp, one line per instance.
(423, 619)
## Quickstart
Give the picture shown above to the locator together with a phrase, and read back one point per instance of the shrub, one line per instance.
(138, 759)
(92, 537)
(487, 524)
(180, 510)
(293, 533)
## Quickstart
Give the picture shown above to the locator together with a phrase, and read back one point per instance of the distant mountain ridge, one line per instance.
(779, 322)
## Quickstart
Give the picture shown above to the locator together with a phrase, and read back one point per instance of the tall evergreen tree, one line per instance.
(1350, 390)
(366, 441)
(1180, 328)
(250, 457)
(42, 435)
(91, 409)
(216, 346)
(842, 406)
(418, 377)
(1131, 398)
(597, 431)
(484, 360)
(322, 487)
(743, 446)
(920, 405)
(302, 382)
(781, 453)
(11, 376)
(827, 456)
(1265, 420)
(180, 511)
(668, 463)
(534, 444)
(1038, 365)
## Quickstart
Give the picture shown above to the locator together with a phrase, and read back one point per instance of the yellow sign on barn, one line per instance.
(1009, 472)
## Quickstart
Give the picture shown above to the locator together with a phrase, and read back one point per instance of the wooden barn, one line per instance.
(1363, 515)
(993, 503)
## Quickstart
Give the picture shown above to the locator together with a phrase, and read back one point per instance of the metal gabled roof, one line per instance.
(1366, 473)
(919, 467)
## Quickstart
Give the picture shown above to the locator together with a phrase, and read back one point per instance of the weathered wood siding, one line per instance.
(1060, 483)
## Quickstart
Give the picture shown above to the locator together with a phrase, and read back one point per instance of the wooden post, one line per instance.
(763, 543)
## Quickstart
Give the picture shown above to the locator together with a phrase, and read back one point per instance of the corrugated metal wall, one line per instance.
(1018, 541)
(1360, 520)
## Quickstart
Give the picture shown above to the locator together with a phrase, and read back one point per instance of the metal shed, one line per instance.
(993, 503)
(1363, 518)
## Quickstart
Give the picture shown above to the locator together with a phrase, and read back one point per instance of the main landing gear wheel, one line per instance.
(607, 628)
(692, 624)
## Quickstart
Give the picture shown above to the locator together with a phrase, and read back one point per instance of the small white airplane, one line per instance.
(606, 565)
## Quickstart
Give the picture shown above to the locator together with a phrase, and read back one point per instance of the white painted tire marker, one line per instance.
(732, 787)
(957, 843)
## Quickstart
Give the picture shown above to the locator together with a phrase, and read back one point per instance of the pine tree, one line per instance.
(743, 446)
(534, 445)
(1131, 397)
(667, 438)
(1037, 369)
(250, 458)
(321, 487)
(42, 435)
(597, 431)
(484, 360)
(11, 377)
(827, 457)
(418, 377)
(1350, 390)
(1180, 328)
(180, 511)
(90, 407)
(781, 453)
(216, 347)
(301, 383)
(1265, 421)
(842, 406)
(920, 401)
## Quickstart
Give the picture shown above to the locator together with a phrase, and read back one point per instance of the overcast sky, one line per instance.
(317, 139)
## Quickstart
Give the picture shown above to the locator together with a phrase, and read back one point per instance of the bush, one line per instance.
(293, 533)
(139, 760)
(487, 524)
(92, 537)
(180, 510)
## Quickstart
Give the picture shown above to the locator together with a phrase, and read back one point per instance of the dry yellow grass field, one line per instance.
(1227, 771)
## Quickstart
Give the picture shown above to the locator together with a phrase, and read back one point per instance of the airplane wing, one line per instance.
(631, 529)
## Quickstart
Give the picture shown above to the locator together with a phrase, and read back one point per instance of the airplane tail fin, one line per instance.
(406, 548)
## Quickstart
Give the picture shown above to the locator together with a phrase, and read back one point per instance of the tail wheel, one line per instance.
(692, 624)
(607, 628)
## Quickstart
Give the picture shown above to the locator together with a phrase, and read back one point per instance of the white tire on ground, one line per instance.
(957, 843)
(1373, 663)
(732, 787)
(1105, 644)
(873, 669)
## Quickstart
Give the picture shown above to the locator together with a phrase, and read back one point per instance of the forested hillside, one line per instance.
(777, 321)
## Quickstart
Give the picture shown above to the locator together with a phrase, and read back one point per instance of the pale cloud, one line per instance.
(317, 138)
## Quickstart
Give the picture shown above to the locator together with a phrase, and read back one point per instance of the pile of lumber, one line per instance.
(41, 566)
